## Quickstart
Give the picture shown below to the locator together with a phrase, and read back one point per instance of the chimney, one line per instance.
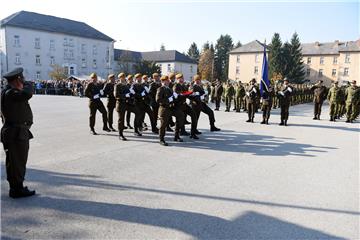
(337, 42)
(317, 44)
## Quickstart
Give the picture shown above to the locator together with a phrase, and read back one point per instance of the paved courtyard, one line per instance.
(248, 181)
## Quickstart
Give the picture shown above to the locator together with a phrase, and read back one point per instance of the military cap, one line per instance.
(172, 75)
(13, 74)
(164, 78)
(138, 75)
(111, 76)
(197, 77)
(144, 76)
(179, 75)
(286, 79)
(93, 75)
(155, 75)
(129, 76)
(121, 75)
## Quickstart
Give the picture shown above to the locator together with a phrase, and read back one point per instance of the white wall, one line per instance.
(28, 53)
(187, 69)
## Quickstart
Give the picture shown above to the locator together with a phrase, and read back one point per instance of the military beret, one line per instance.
(111, 76)
(13, 74)
(179, 75)
(172, 75)
(129, 76)
(197, 77)
(93, 75)
(155, 75)
(164, 78)
(138, 75)
(121, 75)
(144, 76)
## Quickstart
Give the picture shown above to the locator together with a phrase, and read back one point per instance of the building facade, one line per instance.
(38, 42)
(336, 61)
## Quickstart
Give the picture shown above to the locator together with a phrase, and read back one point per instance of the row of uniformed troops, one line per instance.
(344, 100)
(160, 98)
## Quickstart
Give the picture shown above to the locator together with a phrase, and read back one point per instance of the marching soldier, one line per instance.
(198, 104)
(152, 94)
(333, 98)
(351, 106)
(284, 95)
(109, 92)
(319, 97)
(15, 133)
(218, 91)
(228, 94)
(165, 99)
(239, 95)
(252, 94)
(93, 91)
(266, 106)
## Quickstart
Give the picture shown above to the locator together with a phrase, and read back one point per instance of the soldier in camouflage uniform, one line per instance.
(350, 96)
(229, 93)
(239, 96)
(333, 98)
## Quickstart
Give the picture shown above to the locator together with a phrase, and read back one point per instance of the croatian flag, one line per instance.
(265, 83)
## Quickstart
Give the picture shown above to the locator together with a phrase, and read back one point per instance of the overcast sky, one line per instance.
(145, 25)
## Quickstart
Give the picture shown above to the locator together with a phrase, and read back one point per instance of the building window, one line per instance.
(65, 42)
(37, 43)
(66, 53)
(256, 58)
(347, 58)
(72, 71)
(321, 72)
(308, 72)
(107, 55)
(335, 60)
(52, 60)
(94, 50)
(309, 60)
(71, 53)
(17, 59)
(191, 68)
(71, 42)
(94, 63)
(238, 58)
(256, 70)
(38, 75)
(169, 67)
(16, 41)
(346, 71)
(237, 70)
(52, 44)
(83, 63)
(37, 60)
(321, 60)
(83, 48)
(333, 72)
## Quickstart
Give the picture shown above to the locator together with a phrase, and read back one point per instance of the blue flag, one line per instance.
(265, 83)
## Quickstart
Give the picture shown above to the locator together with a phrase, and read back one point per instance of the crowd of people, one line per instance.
(70, 87)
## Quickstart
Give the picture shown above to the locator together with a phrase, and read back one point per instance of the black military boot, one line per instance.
(227, 110)
(121, 137)
(155, 130)
(162, 142)
(347, 120)
(129, 126)
(285, 123)
(168, 129)
(214, 129)
(92, 131)
(197, 132)
(187, 122)
(263, 121)
(331, 119)
(21, 192)
(183, 132)
(193, 136)
(252, 120)
(315, 118)
(281, 124)
(112, 129)
(137, 132)
(249, 120)
(106, 129)
(267, 122)
(178, 139)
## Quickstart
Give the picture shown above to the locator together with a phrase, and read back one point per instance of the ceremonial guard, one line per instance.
(239, 96)
(320, 94)
(228, 95)
(252, 95)
(218, 91)
(333, 97)
(267, 100)
(109, 92)
(284, 95)
(350, 96)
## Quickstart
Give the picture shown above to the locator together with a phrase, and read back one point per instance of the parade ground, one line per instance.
(248, 181)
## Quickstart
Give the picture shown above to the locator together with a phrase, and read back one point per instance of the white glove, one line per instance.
(147, 89)
(289, 89)
(282, 93)
(254, 90)
(132, 91)
(197, 93)
(248, 94)
(102, 92)
(143, 93)
(171, 99)
(206, 92)
(127, 95)
(202, 97)
(96, 96)
(175, 95)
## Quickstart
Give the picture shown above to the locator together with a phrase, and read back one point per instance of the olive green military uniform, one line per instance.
(350, 103)
(229, 93)
(218, 94)
(266, 106)
(239, 96)
(334, 98)
(252, 96)
(284, 95)
(111, 102)
(92, 91)
(320, 94)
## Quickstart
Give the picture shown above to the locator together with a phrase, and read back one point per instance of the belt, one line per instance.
(17, 124)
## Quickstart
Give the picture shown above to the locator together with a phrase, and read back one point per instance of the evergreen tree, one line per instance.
(296, 71)
(205, 47)
(147, 67)
(238, 44)
(286, 59)
(222, 48)
(162, 47)
(193, 52)
(275, 58)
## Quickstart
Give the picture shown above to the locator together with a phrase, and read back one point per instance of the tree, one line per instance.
(147, 67)
(276, 65)
(205, 47)
(162, 47)
(57, 73)
(238, 44)
(206, 64)
(193, 52)
(126, 61)
(296, 72)
(222, 48)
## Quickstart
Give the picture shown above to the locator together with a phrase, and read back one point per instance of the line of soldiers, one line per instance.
(160, 98)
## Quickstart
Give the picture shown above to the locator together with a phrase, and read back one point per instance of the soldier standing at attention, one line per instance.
(15, 133)
(165, 99)
(266, 106)
(252, 94)
(218, 91)
(229, 95)
(319, 97)
(239, 95)
(350, 102)
(333, 98)
(109, 92)
(94, 92)
(284, 95)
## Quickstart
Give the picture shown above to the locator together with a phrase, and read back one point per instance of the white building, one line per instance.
(169, 61)
(36, 42)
